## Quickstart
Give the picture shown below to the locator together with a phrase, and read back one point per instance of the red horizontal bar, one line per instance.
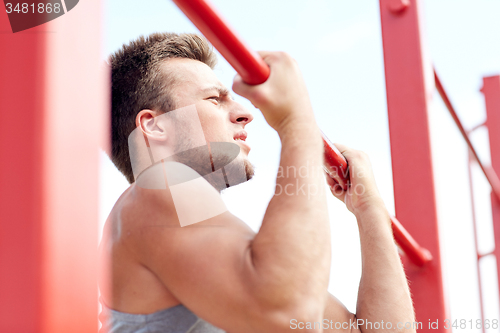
(482, 255)
(417, 254)
(476, 127)
(335, 163)
(246, 62)
(490, 174)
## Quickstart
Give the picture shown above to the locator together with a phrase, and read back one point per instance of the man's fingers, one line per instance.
(264, 54)
(342, 148)
(335, 188)
(330, 181)
(238, 85)
(351, 155)
(338, 192)
(270, 57)
(241, 88)
(334, 173)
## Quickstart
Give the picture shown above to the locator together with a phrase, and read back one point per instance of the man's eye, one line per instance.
(214, 98)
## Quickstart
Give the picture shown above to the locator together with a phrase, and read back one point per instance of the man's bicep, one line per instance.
(206, 266)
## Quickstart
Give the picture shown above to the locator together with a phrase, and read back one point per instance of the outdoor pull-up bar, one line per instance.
(254, 70)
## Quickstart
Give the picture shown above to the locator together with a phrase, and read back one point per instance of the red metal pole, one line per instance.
(476, 240)
(245, 61)
(408, 75)
(335, 164)
(491, 91)
(417, 254)
(489, 172)
(53, 113)
(20, 181)
(476, 127)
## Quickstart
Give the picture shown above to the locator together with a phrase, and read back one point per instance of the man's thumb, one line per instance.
(240, 87)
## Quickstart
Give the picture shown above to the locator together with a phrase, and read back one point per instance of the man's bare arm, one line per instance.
(291, 252)
(383, 291)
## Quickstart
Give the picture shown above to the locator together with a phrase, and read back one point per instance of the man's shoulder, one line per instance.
(135, 211)
(139, 209)
(185, 214)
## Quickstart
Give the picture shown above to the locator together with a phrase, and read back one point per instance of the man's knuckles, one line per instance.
(353, 155)
(261, 98)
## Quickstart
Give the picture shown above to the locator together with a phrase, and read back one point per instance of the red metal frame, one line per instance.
(254, 71)
(54, 112)
(489, 172)
(491, 91)
(409, 86)
(48, 211)
(476, 240)
(20, 244)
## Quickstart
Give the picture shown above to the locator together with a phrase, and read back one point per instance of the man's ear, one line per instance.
(151, 125)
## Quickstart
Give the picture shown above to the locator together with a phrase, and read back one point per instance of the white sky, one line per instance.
(339, 49)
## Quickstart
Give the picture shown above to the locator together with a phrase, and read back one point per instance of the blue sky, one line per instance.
(338, 47)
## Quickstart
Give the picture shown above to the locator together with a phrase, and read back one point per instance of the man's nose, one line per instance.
(240, 115)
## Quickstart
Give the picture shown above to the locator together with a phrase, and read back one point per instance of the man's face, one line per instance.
(222, 119)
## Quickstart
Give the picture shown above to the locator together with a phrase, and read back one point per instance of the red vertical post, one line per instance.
(53, 110)
(21, 97)
(476, 238)
(491, 91)
(409, 84)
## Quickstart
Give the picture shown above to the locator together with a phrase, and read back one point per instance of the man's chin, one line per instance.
(249, 169)
(235, 173)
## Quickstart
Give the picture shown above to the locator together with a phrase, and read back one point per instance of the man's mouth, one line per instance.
(241, 137)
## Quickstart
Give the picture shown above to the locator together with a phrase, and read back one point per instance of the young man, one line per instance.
(213, 273)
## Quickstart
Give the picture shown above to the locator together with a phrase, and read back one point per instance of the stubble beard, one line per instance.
(219, 168)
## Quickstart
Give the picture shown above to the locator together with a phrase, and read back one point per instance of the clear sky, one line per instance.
(339, 49)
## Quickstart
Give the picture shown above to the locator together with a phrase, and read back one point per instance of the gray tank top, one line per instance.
(177, 319)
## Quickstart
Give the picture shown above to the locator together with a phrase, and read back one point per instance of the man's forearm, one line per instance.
(383, 291)
(292, 248)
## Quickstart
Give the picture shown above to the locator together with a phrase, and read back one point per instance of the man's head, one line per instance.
(163, 72)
